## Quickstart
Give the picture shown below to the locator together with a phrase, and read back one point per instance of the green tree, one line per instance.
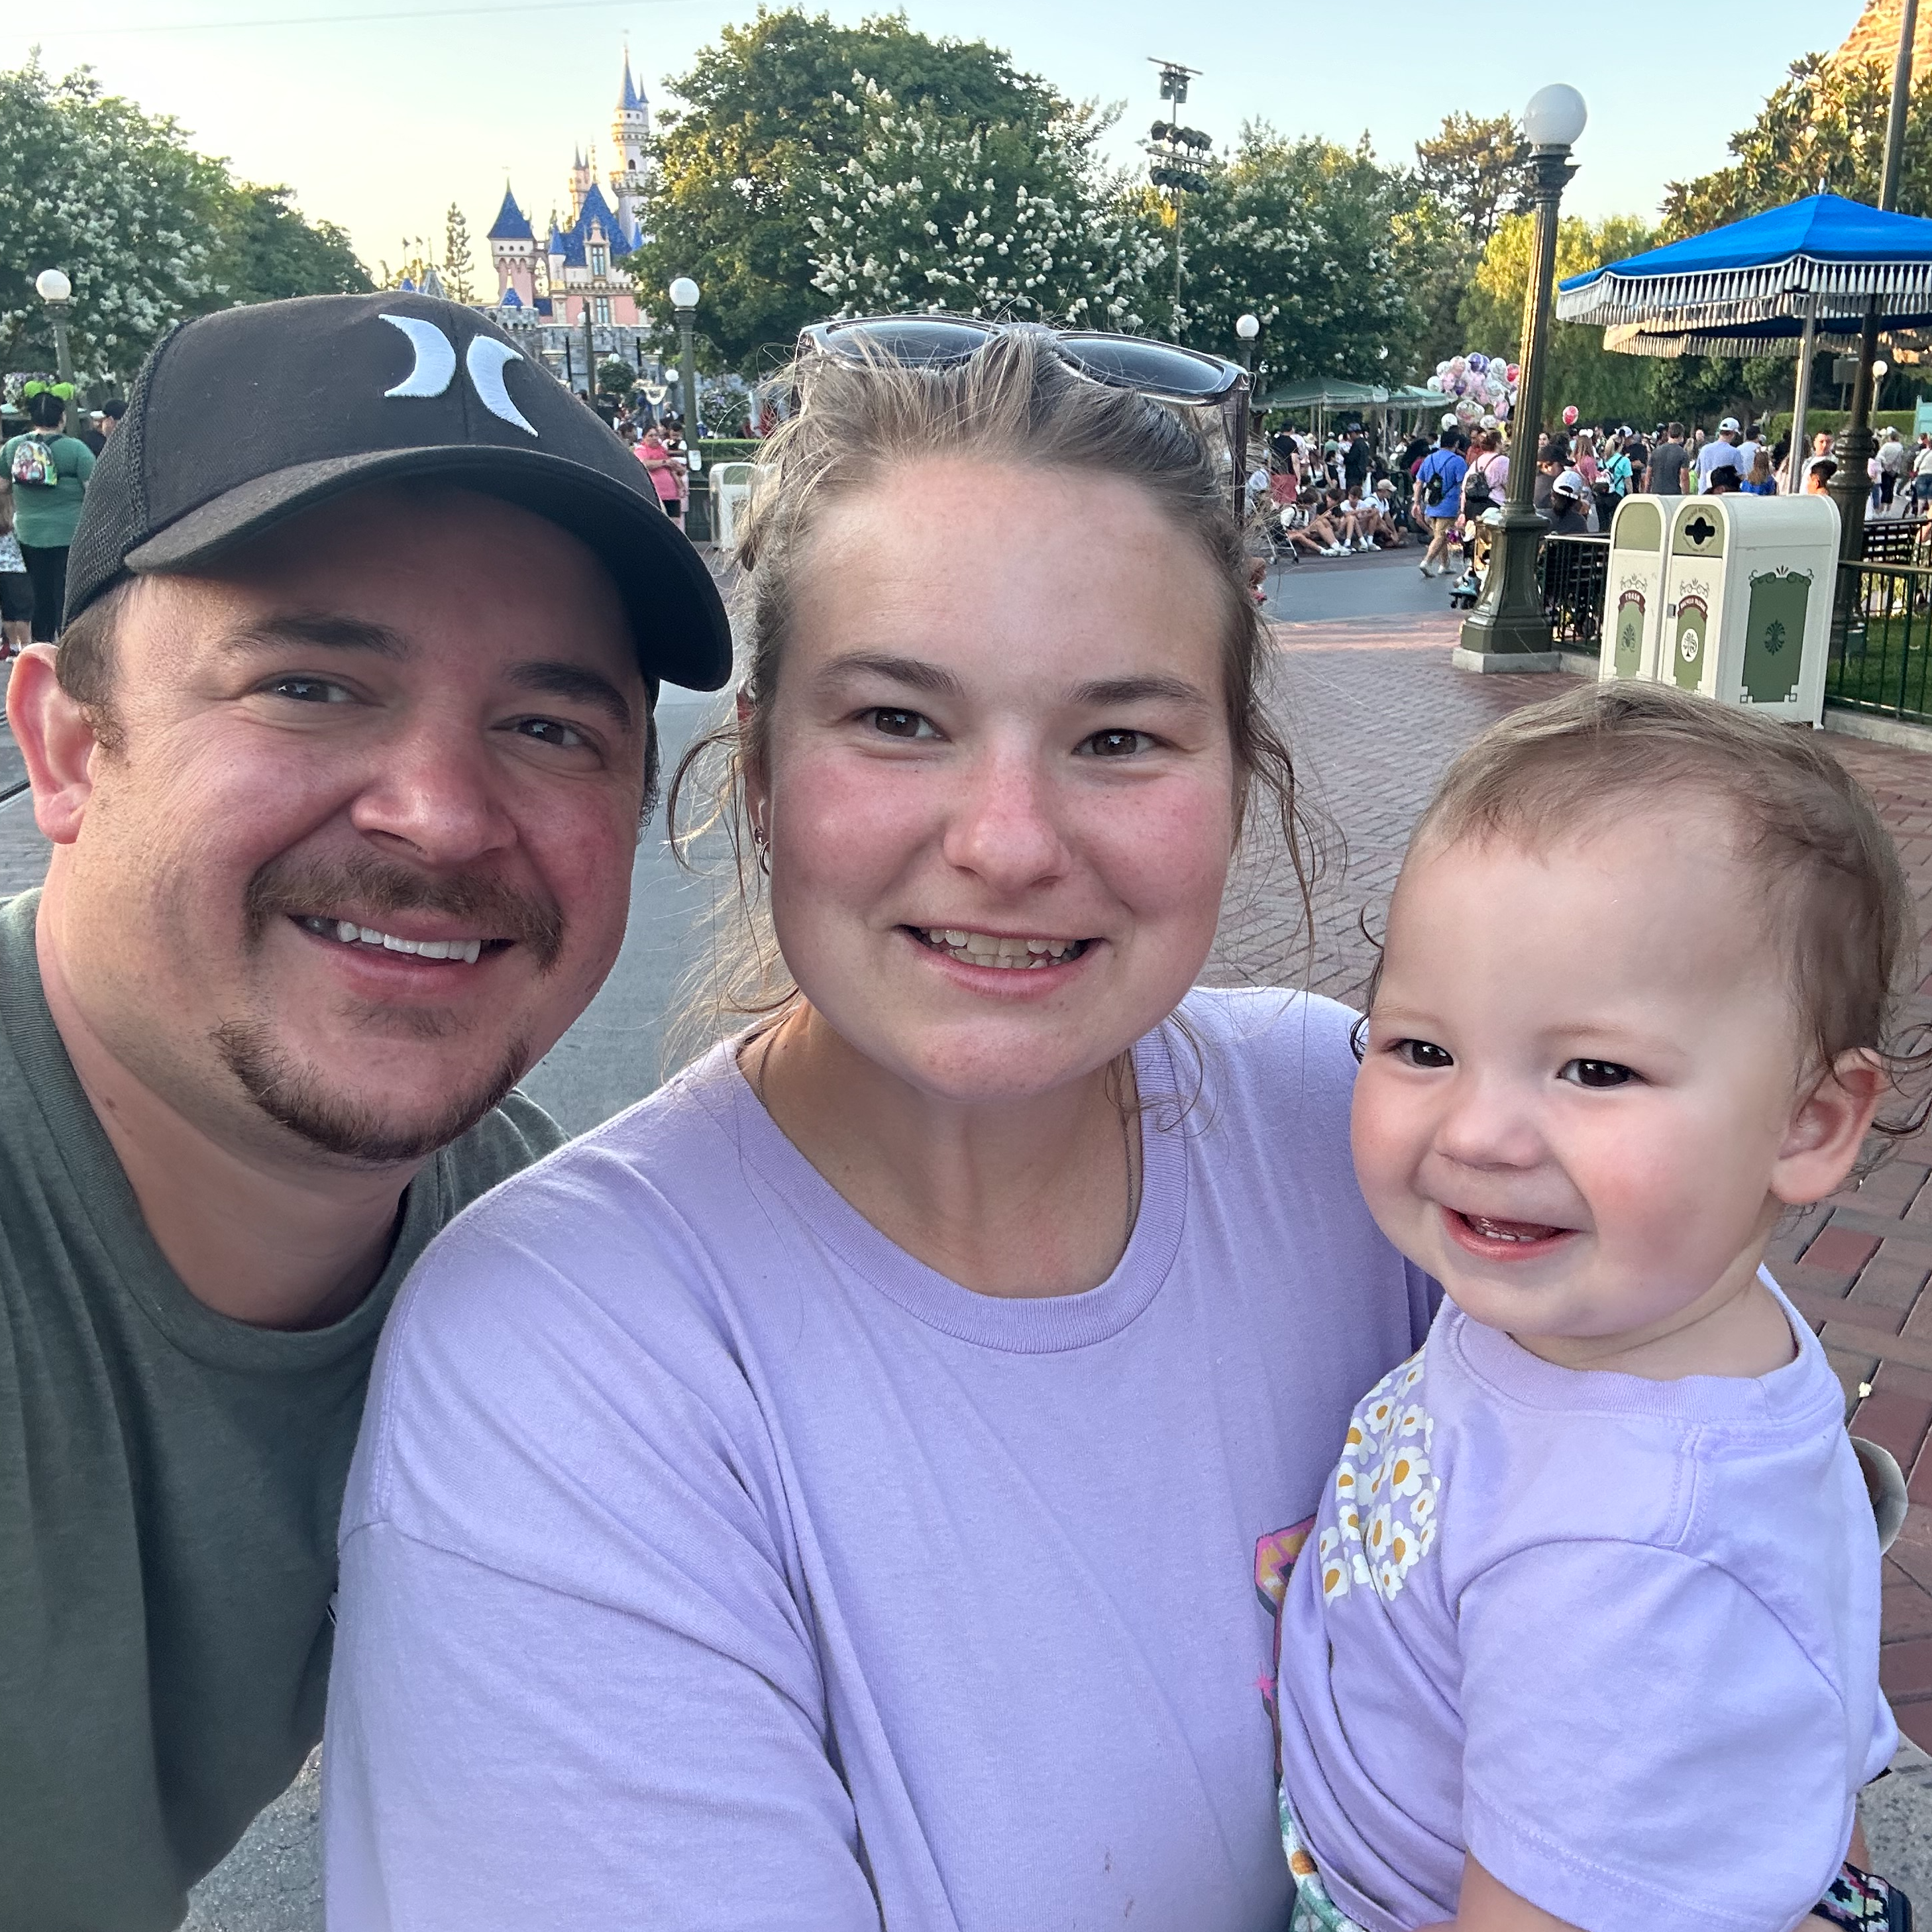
(741, 168)
(1476, 170)
(1580, 370)
(459, 268)
(267, 251)
(1298, 231)
(615, 377)
(1468, 176)
(117, 198)
(1823, 125)
(932, 212)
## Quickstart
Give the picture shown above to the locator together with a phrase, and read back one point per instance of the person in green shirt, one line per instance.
(344, 755)
(45, 513)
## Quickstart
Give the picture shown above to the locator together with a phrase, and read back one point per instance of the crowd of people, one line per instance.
(1348, 494)
(44, 473)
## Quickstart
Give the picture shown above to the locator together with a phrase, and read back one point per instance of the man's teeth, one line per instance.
(986, 949)
(466, 950)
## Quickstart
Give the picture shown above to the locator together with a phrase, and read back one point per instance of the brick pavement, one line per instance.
(1375, 712)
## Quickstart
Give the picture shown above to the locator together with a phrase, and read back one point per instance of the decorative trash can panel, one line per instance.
(1689, 621)
(1775, 633)
(1633, 590)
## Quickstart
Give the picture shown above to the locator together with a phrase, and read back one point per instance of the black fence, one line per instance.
(1897, 540)
(1574, 572)
(1881, 641)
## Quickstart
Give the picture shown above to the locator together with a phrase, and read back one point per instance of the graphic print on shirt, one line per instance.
(1385, 1491)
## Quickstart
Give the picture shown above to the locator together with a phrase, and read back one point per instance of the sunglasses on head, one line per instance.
(1161, 371)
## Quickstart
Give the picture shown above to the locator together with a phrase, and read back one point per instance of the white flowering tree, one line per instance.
(90, 184)
(147, 230)
(931, 212)
(1304, 236)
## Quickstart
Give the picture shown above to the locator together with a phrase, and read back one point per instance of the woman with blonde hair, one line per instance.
(854, 1485)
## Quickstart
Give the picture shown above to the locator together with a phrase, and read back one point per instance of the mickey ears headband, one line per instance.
(63, 390)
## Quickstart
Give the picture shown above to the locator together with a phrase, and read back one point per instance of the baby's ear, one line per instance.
(1827, 1127)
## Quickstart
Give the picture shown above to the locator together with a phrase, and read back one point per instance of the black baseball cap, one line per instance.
(243, 418)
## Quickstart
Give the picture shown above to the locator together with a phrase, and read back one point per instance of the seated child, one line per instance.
(1586, 1634)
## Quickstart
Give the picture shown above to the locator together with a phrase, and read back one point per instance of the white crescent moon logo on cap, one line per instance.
(485, 361)
(435, 360)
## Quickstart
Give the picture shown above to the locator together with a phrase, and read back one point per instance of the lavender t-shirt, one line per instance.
(1619, 1638)
(708, 1562)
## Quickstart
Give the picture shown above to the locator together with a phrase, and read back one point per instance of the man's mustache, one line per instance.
(363, 883)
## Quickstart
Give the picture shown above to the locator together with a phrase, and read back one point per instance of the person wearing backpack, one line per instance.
(49, 470)
(1439, 484)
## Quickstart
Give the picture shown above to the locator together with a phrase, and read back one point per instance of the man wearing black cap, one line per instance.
(343, 756)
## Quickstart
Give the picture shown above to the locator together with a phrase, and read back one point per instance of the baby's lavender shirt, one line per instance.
(1618, 1637)
(709, 1563)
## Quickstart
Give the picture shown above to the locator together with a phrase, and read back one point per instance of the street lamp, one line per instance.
(684, 293)
(1247, 327)
(55, 290)
(1507, 630)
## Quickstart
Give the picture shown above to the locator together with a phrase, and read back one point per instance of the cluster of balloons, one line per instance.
(1481, 389)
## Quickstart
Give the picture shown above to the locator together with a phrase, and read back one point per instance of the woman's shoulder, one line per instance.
(1286, 1059)
(598, 1281)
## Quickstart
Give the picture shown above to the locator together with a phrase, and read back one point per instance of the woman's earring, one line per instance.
(763, 847)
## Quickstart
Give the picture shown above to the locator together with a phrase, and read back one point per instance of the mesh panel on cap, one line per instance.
(114, 512)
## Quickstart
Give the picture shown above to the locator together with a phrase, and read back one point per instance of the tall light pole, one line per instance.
(55, 290)
(1177, 151)
(684, 293)
(1507, 630)
(1851, 484)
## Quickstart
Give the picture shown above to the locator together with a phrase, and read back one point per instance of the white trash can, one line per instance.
(1748, 587)
(1633, 589)
(730, 489)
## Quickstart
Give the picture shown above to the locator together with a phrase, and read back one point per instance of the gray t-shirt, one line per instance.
(1667, 462)
(170, 1484)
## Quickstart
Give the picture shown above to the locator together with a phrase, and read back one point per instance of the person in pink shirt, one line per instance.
(663, 467)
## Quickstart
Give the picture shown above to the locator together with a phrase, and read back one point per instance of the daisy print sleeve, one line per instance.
(1617, 1638)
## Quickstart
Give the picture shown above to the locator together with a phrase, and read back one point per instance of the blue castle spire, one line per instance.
(633, 95)
(511, 224)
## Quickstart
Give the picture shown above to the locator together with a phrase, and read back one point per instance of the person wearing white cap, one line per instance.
(1722, 448)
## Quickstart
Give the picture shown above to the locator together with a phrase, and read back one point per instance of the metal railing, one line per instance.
(1575, 572)
(1881, 640)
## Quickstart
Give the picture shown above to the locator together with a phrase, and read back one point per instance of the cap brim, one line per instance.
(677, 617)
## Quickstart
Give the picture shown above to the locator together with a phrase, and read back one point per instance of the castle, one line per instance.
(576, 277)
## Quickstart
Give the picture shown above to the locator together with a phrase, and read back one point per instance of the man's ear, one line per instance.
(56, 739)
(1827, 1127)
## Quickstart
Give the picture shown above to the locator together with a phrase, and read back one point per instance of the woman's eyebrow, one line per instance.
(916, 672)
(1101, 692)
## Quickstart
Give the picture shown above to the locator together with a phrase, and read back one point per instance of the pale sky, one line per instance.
(379, 120)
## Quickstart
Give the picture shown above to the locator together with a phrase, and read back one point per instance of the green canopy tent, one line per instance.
(1319, 394)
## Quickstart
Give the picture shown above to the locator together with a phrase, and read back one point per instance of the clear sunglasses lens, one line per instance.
(1154, 368)
(917, 341)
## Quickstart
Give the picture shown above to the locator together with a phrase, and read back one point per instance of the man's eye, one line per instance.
(1424, 1054)
(1596, 1074)
(1116, 744)
(549, 731)
(900, 724)
(309, 690)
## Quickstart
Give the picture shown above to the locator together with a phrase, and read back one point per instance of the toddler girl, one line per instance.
(1586, 1631)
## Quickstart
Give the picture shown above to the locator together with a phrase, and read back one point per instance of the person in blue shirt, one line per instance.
(1438, 487)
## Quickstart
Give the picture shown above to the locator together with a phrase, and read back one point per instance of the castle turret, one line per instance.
(630, 130)
(581, 177)
(513, 248)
